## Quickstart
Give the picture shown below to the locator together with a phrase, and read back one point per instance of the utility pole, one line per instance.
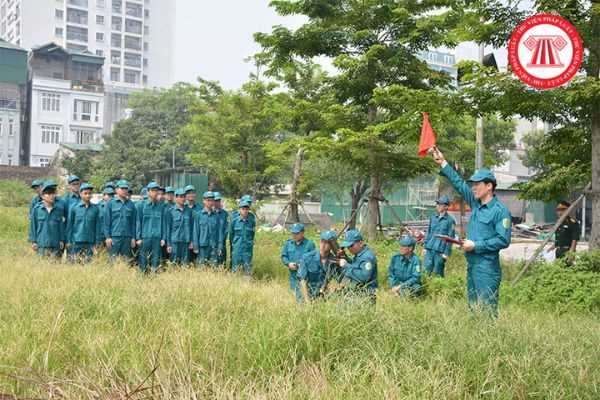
(479, 127)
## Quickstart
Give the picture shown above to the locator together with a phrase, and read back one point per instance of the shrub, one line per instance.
(14, 194)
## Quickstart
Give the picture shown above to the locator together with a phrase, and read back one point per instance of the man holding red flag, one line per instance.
(488, 230)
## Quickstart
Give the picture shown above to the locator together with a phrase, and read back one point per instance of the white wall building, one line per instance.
(67, 101)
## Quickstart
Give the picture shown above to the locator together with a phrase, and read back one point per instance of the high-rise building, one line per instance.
(134, 37)
(13, 103)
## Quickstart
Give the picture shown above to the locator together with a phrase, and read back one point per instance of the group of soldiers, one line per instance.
(166, 225)
(169, 224)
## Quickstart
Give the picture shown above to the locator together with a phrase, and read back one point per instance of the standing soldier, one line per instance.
(36, 186)
(241, 237)
(170, 196)
(488, 232)
(107, 195)
(119, 223)
(568, 233)
(223, 219)
(47, 228)
(436, 250)
(404, 271)
(190, 201)
(83, 227)
(292, 252)
(317, 268)
(150, 232)
(72, 197)
(205, 233)
(179, 225)
(360, 272)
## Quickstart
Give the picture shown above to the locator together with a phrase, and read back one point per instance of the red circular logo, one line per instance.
(545, 51)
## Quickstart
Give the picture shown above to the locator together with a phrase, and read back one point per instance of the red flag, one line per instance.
(427, 137)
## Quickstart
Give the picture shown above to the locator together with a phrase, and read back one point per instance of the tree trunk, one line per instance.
(294, 214)
(595, 197)
(356, 194)
(375, 194)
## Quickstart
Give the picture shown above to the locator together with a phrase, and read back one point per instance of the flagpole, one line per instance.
(479, 127)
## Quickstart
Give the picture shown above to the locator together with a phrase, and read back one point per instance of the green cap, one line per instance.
(123, 184)
(73, 178)
(180, 193)
(407, 241)
(208, 195)
(169, 189)
(352, 236)
(36, 183)
(244, 203)
(48, 185)
(152, 185)
(189, 188)
(109, 184)
(217, 196)
(86, 186)
(328, 235)
(297, 228)
(483, 174)
(109, 190)
(247, 198)
(443, 200)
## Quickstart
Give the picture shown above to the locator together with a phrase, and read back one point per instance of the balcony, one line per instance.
(78, 3)
(88, 86)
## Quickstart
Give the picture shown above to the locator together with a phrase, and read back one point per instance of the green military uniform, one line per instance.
(47, 228)
(568, 231)
(119, 224)
(84, 229)
(150, 229)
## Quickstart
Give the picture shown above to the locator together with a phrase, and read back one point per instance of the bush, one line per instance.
(14, 194)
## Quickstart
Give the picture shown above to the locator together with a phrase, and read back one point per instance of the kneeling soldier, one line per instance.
(83, 227)
(47, 228)
(404, 271)
(179, 230)
(317, 268)
(360, 273)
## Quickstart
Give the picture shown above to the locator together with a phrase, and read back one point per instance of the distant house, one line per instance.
(181, 177)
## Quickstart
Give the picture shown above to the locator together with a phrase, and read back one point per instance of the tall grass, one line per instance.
(101, 332)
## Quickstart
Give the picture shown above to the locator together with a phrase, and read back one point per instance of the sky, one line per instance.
(213, 37)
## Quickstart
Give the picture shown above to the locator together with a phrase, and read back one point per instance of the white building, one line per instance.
(67, 101)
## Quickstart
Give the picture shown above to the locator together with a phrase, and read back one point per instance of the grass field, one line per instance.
(103, 332)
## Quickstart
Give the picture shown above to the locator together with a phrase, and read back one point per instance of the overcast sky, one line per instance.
(213, 37)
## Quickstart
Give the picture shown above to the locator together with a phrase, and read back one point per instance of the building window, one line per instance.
(50, 102)
(133, 10)
(146, 13)
(50, 134)
(0, 127)
(10, 159)
(79, 3)
(84, 137)
(132, 77)
(44, 162)
(77, 33)
(133, 60)
(71, 46)
(99, 37)
(133, 43)
(117, 6)
(146, 30)
(100, 19)
(115, 74)
(145, 62)
(133, 26)
(145, 79)
(115, 40)
(58, 32)
(11, 127)
(146, 46)
(77, 16)
(115, 57)
(59, 14)
(100, 3)
(10, 104)
(100, 53)
(85, 110)
(117, 24)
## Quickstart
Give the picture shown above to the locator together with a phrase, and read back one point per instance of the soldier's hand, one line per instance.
(34, 246)
(468, 245)
(445, 257)
(292, 266)
(61, 245)
(133, 243)
(191, 246)
(169, 249)
(108, 243)
(343, 262)
(438, 156)
(139, 242)
(94, 250)
(162, 243)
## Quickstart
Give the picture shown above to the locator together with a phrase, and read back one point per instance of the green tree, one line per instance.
(569, 155)
(374, 45)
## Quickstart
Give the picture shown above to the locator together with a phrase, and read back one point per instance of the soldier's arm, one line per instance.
(459, 184)
(501, 239)
(167, 227)
(415, 277)
(285, 258)
(107, 220)
(195, 231)
(32, 227)
(61, 231)
(70, 222)
(391, 277)
(302, 276)
(98, 232)
(138, 218)
(362, 271)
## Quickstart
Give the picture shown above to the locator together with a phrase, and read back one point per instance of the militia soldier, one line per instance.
(170, 196)
(404, 271)
(36, 186)
(360, 272)
(241, 237)
(292, 252)
(120, 223)
(150, 229)
(568, 233)
(107, 195)
(205, 233)
(83, 227)
(223, 219)
(47, 227)
(72, 197)
(179, 224)
(438, 251)
(317, 268)
(488, 232)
